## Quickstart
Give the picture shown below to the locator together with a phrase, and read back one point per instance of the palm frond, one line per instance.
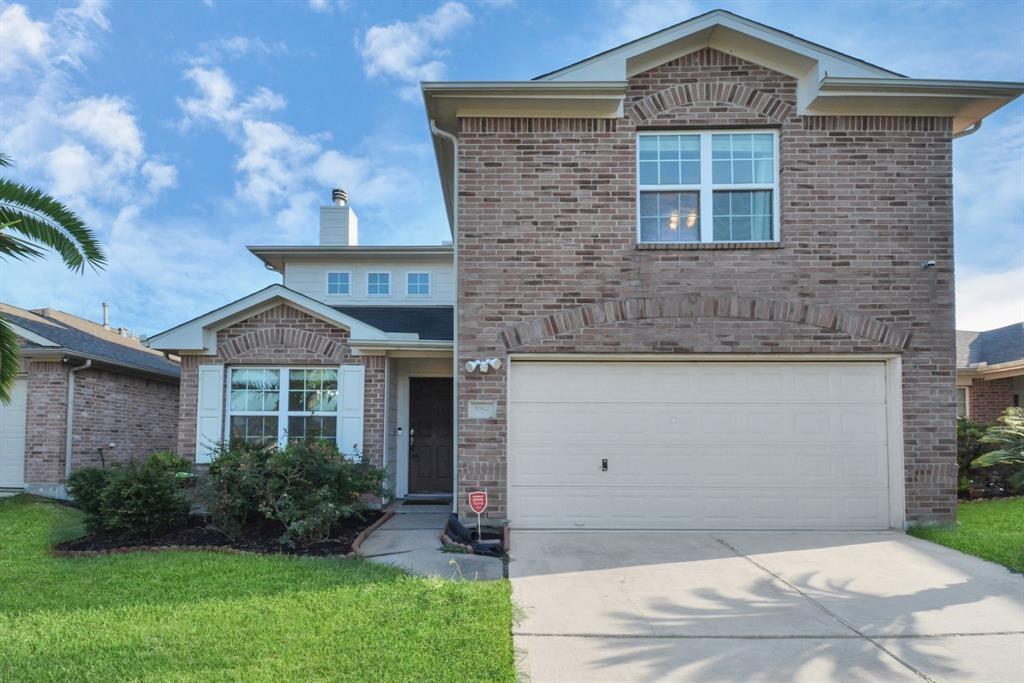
(17, 248)
(45, 221)
(9, 360)
(6, 160)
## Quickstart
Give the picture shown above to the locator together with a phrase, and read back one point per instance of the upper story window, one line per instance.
(339, 283)
(708, 186)
(418, 284)
(378, 284)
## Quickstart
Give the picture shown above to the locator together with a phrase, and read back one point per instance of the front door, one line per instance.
(430, 435)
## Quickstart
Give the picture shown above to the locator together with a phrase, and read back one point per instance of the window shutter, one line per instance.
(209, 411)
(350, 434)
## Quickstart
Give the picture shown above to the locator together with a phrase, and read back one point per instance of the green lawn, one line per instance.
(990, 529)
(209, 616)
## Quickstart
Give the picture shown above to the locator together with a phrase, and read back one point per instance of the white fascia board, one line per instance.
(200, 334)
(741, 36)
(30, 336)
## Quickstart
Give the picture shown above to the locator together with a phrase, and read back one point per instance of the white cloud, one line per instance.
(25, 42)
(216, 99)
(328, 6)
(160, 176)
(631, 19)
(987, 300)
(411, 51)
(215, 51)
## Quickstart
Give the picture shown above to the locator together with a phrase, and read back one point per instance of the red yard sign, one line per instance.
(478, 501)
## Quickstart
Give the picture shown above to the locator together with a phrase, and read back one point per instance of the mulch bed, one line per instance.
(258, 538)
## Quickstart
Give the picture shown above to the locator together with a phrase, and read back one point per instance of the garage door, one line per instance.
(12, 438)
(714, 445)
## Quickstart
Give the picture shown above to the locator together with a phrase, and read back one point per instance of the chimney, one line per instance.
(106, 315)
(339, 226)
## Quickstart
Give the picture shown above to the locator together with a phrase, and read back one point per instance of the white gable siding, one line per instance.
(310, 278)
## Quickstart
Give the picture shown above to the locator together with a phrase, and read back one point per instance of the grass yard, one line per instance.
(209, 616)
(990, 529)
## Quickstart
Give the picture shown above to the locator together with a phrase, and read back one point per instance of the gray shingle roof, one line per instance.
(436, 323)
(1001, 345)
(76, 335)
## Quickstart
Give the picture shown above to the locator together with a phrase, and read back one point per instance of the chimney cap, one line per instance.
(339, 196)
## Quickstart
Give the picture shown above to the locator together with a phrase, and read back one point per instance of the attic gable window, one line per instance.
(708, 186)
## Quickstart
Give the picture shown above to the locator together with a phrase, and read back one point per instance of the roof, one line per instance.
(51, 331)
(274, 256)
(992, 347)
(828, 83)
(429, 322)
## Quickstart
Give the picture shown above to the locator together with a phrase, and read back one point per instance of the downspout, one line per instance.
(970, 130)
(71, 416)
(455, 311)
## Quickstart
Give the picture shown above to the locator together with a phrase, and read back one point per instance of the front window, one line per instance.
(338, 283)
(273, 405)
(418, 284)
(707, 187)
(961, 401)
(378, 284)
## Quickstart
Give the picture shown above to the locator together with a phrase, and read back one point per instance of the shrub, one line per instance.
(1008, 438)
(135, 500)
(306, 488)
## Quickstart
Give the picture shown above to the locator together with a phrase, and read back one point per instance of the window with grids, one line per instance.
(274, 405)
(418, 284)
(378, 284)
(339, 283)
(708, 187)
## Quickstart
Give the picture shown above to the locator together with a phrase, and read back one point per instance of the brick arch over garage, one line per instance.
(687, 94)
(572, 320)
(298, 344)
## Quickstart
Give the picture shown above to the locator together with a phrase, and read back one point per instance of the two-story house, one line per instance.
(701, 280)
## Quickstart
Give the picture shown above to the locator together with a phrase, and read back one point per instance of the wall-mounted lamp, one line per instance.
(484, 365)
(925, 265)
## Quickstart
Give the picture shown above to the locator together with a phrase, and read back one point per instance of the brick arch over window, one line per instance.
(259, 344)
(700, 306)
(686, 94)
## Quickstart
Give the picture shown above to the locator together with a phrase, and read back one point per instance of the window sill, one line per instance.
(705, 246)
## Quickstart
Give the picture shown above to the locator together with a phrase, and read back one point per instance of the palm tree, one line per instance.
(1009, 436)
(31, 222)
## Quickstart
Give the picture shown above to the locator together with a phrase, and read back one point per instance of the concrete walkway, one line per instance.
(768, 606)
(411, 540)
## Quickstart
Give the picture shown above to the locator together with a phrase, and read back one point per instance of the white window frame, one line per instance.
(378, 272)
(282, 413)
(418, 272)
(327, 282)
(706, 188)
(967, 401)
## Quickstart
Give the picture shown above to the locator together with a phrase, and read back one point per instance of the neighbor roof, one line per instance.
(992, 347)
(52, 331)
(435, 323)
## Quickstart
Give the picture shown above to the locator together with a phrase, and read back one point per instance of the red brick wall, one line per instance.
(138, 415)
(988, 399)
(283, 335)
(548, 259)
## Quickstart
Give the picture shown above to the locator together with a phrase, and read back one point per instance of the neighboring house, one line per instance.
(702, 280)
(86, 395)
(989, 372)
(355, 345)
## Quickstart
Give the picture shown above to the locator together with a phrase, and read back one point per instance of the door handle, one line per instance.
(604, 464)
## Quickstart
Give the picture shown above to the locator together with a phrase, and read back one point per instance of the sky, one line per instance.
(183, 131)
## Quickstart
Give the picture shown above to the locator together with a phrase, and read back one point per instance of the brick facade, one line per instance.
(988, 399)
(284, 336)
(548, 260)
(136, 414)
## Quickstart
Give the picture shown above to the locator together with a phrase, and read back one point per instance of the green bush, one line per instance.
(135, 500)
(306, 488)
(993, 480)
(1007, 438)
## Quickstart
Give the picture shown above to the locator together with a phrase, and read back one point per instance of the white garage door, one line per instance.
(12, 438)
(712, 445)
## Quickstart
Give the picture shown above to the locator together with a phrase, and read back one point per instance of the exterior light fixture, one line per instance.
(484, 365)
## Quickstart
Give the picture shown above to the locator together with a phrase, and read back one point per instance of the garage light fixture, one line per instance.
(484, 365)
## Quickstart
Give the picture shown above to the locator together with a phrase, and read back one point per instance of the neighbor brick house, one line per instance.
(701, 280)
(989, 372)
(123, 400)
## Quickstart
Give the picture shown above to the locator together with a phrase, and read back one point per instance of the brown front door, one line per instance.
(430, 435)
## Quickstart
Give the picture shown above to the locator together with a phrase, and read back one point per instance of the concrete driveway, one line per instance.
(761, 606)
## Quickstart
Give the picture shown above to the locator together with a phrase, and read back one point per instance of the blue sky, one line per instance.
(183, 131)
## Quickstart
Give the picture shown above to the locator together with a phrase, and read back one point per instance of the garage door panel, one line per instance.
(632, 508)
(12, 437)
(688, 464)
(698, 445)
